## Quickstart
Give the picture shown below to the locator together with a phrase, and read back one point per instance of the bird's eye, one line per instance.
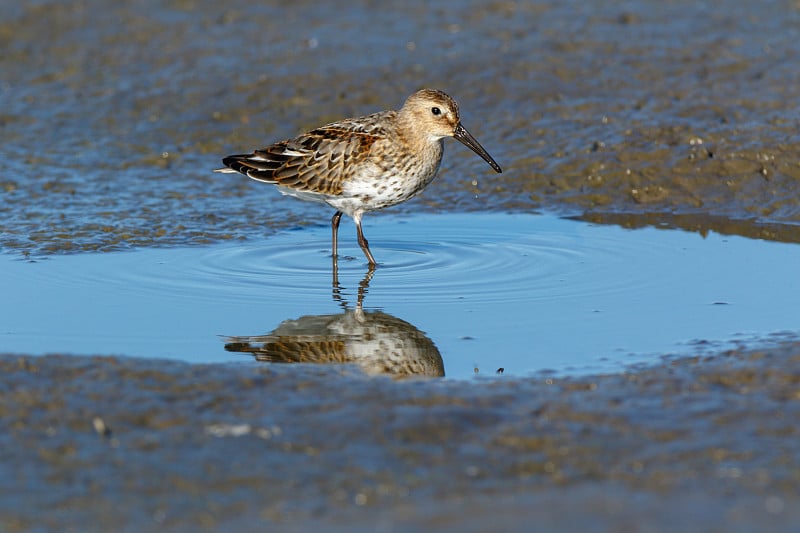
(436, 111)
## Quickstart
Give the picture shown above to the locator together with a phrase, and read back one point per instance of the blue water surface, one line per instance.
(525, 293)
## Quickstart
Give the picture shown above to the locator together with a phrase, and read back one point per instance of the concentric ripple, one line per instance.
(482, 258)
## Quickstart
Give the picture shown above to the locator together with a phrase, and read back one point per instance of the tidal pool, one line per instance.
(521, 293)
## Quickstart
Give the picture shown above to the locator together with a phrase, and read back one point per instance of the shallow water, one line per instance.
(524, 293)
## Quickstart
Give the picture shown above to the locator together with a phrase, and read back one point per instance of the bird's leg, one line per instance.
(335, 273)
(335, 229)
(363, 242)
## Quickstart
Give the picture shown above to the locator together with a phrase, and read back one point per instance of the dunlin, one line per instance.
(363, 164)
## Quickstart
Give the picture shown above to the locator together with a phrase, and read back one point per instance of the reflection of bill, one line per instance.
(377, 342)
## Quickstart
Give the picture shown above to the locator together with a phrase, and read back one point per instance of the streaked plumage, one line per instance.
(363, 164)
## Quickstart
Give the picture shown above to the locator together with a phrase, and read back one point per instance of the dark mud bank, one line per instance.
(119, 443)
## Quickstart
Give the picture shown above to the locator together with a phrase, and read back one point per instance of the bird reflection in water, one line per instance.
(377, 342)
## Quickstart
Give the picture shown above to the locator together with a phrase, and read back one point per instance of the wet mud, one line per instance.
(673, 114)
(704, 444)
(112, 124)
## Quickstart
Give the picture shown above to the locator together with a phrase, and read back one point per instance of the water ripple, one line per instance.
(526, 257)
(480, 258)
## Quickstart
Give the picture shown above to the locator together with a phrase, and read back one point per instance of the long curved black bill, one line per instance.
(468, 140)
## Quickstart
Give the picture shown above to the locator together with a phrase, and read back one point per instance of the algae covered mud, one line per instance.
(112, 122)
(642, 113)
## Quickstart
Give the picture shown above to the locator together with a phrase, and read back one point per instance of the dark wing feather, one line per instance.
(317, 161)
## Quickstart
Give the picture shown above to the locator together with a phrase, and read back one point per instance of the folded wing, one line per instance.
(316, 161)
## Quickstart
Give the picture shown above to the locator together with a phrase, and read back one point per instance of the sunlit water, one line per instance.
(520, 292)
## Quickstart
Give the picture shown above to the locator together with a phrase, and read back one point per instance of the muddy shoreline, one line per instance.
(702, 443)
(111, 129)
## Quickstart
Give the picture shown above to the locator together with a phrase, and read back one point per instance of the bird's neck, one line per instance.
(417, 140)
